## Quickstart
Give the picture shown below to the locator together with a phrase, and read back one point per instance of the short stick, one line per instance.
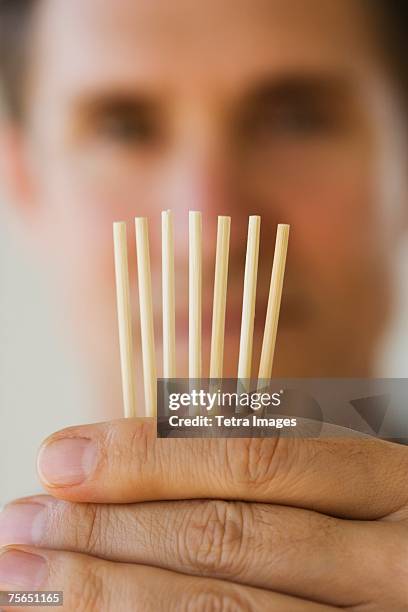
(124, 319)
(274, 302)
(195, 290)
(168, 297)
(220, 297)
(146, 316)
(249, 298)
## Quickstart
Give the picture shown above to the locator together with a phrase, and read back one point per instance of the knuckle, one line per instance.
(256, 462)
(126, 445)
(214, 599)
(87, 525)
(90, 529)
(389, 565)
(213, 537)
(89, 592)
(139, 444)
(396, 564)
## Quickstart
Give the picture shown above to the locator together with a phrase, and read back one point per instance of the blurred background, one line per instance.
(41, 389)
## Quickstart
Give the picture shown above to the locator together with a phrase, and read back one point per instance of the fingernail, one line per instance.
(68, 461)
(22, 523)
(21, 569)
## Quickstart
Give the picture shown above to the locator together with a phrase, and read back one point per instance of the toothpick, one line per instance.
(146, 316)
(249, 299)
(124, 319)
(220, 297)
(169, 317)
(195, 290)
(274, 302)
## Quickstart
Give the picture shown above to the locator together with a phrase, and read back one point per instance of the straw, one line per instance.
(124, 318)
(274, 302)
(195, 289)
(146, 316)
(220, 297)
(249, 299)
(169, 317)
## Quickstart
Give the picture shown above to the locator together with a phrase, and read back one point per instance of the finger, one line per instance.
(123, 461)
(94, 584)
(298, 552)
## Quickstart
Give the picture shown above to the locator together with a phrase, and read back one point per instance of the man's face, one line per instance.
(282, 109)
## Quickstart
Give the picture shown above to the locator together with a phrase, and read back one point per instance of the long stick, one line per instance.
(220, 297)
(146, 316)
(169, 317)
(124, 318)
(195, 289)
(274, 302)
(249, 299)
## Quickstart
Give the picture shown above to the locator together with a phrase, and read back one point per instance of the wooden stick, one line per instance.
(220, 297)
(195, 290)
(146, 316)
(274, 302)
(249, 299)
(124, 319)
(169, 316)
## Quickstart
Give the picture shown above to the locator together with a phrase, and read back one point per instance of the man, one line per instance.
(291, 110)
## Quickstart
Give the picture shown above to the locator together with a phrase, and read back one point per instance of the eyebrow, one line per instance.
(302, 86)
(100, 103)
(294, 88)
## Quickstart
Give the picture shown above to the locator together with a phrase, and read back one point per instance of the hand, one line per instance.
(322, 523)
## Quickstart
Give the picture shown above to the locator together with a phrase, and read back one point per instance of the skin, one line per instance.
(249, 107)
(329, 537)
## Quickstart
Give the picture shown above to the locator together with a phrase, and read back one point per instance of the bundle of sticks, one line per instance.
(195, 304)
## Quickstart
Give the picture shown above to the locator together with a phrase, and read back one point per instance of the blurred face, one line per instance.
(282, 109)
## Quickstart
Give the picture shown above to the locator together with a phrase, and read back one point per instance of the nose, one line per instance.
(208, 181)
(200, 175)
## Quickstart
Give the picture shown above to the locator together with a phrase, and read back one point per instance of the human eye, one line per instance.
(296, 111)
(128, 127)
(124, 123)
(301, 121)
(292, 121)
